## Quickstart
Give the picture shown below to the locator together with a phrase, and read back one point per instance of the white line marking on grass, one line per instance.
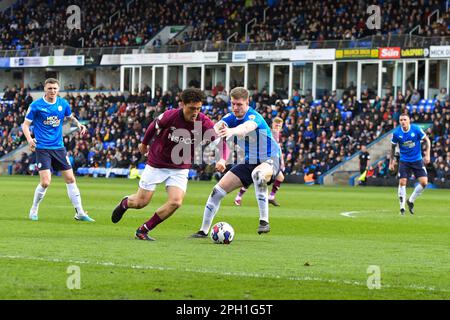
(349, 214)
(223, 273)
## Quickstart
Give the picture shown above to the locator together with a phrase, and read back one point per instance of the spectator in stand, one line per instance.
(442, 97)
(415, 98)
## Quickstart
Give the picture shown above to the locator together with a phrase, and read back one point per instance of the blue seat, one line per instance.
(346, 115)
(141, 166)
(90, 155)
(109, 145)
(192, 173)
(83, 171)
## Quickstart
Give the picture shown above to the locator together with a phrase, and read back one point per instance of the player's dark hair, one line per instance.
(404, 115)
(191, 95)
(51, 81)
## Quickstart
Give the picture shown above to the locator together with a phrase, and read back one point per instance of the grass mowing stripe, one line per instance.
(235, 274)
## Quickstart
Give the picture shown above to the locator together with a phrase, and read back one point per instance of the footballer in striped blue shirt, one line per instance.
(409, 137)
(47, 115)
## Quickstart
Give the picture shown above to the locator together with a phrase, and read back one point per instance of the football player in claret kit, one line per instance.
(409, 136)
(260, 165)
(277, 126)
(164, 136)
(47, 115)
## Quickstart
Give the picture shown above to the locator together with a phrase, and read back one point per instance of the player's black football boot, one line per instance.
(199, 234)
(118, 212)
(410, 206)
(141, 235)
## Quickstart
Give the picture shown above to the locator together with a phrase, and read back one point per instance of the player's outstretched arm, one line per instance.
(240, 131)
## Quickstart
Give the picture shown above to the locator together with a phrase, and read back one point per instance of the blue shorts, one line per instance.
(52, 159)
(244, 171)
(406, 168)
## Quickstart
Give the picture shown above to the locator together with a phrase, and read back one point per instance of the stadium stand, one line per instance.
(317, 135)
(33, 24)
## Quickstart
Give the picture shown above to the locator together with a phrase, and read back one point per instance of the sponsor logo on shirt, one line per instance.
(179, 138)
(52, 121)
(409, 144)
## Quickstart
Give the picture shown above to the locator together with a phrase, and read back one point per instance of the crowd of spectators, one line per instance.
(36, 23)
(311, 20)
(315, 136)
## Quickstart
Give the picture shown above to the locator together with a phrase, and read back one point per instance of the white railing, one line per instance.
(128, 4)
(432, 14)
(232, 36)
(264, 14)
(100, 26)
(112, 16)
(246, 27)
(414, 29)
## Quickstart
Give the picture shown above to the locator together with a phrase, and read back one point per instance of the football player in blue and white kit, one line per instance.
(408, 137)
(47, 115)
(261, 163)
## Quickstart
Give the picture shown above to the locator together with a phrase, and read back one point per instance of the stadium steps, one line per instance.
(341, 174)
(166, 34)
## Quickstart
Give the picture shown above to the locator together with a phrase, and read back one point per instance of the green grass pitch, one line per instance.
(312, 251)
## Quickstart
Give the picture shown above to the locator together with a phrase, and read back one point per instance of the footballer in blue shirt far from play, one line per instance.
(47, 115)
(409, 138)
(47, 121)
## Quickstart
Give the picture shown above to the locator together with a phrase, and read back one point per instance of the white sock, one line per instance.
(39, 194)
(211, 207)
(402, 196)
(262, 196)
(75, 197)
(417, 192)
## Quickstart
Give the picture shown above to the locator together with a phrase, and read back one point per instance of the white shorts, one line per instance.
(173, 177)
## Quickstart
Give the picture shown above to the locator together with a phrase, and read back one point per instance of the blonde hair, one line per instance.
(51, 81)
(278, 120)
(239, 92)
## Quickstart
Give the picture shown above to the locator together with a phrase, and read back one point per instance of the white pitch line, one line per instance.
(223, 273)
(349, 214)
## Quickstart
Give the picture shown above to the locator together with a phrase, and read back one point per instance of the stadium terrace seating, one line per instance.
(38, 23)
(316, 136)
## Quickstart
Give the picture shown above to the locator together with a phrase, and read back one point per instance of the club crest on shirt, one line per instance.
(59, 108)
(252, 117)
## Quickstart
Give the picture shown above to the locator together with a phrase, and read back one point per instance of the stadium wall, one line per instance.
(378, 69)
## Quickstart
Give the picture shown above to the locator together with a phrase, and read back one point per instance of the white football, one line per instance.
(222, 232)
